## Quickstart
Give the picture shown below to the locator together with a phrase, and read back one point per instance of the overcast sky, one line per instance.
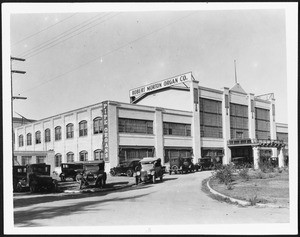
(76, 59)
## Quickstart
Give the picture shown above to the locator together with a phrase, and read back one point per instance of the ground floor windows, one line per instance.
(40, 159)
(216, 153)
(57, 160)
(170, 153)
(26, 160)
(98, 155)
(83, 156)
(127, 153)
(70, 157)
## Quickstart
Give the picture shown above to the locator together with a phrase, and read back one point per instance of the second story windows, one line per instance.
(57, 133)
(70, 130)
(29, 139)
(135, 126)
(47, 135)
(98, 127)
(177, 129)
(83, 128)
(21, 141)
(37, 137)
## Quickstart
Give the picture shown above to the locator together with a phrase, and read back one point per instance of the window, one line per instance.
(210, 118)
(174, 153)
(177, 129)
(29, 137)
(21, 141)
(83, 156)
(82, 128)
(262, 123)
(40, 159)
(37, 137)
(47, 135)
(135, 126)
(238, 121)
(282, 136)
(70, 157)
(98, 155)
(127, 153)
(70, 130)
(26, 160)
(58, 133)
(98, 127)
(57, 160)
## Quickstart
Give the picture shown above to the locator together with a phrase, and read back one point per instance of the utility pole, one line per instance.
(14, 97)
(235, 76)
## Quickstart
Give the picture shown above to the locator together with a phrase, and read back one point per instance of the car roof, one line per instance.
(148, 159)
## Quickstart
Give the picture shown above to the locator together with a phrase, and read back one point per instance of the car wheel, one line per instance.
(32, 187)
(62, 178)
(19, 187)
(175, 169)
(153, 179)
(129, 173)
(113, 173)
(78, 178)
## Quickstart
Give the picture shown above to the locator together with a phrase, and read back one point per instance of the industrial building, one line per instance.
(169, 118)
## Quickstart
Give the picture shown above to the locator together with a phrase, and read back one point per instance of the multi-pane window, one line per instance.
(98, 155)
(21, 140)
(70, 130)
(178, 129)
(83, 156)
(175, 153)
(70, 157)
(98, 126)
(282, 136)
(29, 139)
(40, 159)
(213, 153)
(26, 160)
(37, 137)
(83, 128)
(57, 160)
(127, 153)
(47, 135)
(262, 123)
(210, 118)
(238, 121)
(135, 126)
(57, 133)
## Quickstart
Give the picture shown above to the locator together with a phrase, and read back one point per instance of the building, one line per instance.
(170, 118)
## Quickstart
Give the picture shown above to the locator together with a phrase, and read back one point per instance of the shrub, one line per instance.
(260, 175)
(224, 174)
(229, 186)
(265, 166)
(253, 200)
(243, 173)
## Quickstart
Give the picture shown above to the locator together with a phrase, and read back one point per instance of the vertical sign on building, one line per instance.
(105, 131)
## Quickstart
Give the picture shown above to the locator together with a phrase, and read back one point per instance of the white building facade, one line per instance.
(170, 118)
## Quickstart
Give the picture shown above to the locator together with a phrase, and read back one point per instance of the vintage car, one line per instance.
(181, 165)
(208, 163)
(37, 179)
(92, 174)
(149, 170)
(241, 162)
(125, 168)
(69, 170)
(19, 172)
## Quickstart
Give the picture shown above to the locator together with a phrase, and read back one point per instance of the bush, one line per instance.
(253, 200)
(244, 173)
(224, 174)
(265, 166)
(261, 175)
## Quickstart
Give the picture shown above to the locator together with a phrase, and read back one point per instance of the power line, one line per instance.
(51, 46)
(110, 52)
(30, 36)
(61, 35)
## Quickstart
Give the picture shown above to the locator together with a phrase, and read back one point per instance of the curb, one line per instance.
(96, 190)
(241, 202)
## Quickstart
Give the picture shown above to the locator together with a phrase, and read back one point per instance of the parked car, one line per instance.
(69, 170)
(125, 168)
(241, 162)
(149, 170)
(181, 165)
(19, 172)
(37, 179)
(208, 163)
(92, 174)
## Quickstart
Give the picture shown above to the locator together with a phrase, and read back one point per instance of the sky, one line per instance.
(75, 59)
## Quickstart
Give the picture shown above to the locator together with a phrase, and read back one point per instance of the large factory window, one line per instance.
(127, 153)
(70, 130)
(177, 152)
(83, 128)
(210, 118)
(135, 126)
(238, 121)
(177, 129)
(262, 123)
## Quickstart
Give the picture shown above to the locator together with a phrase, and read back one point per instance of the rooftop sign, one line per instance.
(161, 84)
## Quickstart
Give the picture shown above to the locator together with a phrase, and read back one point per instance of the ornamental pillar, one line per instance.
(280, 158)
(255, 151)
